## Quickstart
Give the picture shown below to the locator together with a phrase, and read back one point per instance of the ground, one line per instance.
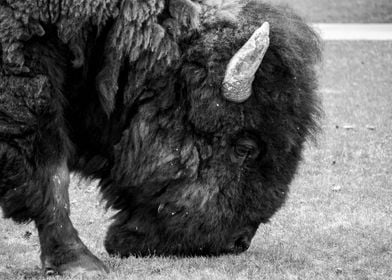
(337, 222)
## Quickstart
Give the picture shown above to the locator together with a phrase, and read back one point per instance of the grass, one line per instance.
(337, 223)
(343, 11)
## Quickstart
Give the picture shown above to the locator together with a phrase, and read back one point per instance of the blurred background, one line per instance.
(342, 11)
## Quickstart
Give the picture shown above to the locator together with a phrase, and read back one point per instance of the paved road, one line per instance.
(337, 31)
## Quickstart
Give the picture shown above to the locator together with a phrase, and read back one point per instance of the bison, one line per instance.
(193, 116)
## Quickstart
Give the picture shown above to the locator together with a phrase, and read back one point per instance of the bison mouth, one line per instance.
(135, 243)
(146, 235)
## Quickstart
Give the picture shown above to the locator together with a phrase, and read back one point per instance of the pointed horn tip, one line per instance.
(263, 30)
(266, 27)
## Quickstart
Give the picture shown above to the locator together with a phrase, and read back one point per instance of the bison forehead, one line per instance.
(216, 116)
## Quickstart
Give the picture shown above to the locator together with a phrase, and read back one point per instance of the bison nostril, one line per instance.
(239, 244)
(242, 244)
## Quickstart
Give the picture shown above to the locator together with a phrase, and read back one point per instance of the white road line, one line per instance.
(354, 31)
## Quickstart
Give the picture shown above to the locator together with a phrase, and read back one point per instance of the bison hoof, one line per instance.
(85, 264)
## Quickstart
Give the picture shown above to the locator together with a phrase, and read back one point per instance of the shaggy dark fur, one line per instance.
(135, 101)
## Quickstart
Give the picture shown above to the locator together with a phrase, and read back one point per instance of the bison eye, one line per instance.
(246, 148)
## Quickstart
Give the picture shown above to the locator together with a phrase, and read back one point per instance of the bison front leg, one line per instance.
(34, 176)
(62, 251)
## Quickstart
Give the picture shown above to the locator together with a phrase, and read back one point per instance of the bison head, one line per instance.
(212, 146)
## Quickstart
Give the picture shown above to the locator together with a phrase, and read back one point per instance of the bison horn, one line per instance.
(242, 67)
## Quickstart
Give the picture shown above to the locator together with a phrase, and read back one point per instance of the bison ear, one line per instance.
(242, 67)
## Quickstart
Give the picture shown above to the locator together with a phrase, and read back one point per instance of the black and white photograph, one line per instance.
(196, 139)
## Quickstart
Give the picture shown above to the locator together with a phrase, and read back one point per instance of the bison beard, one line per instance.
(189, 171)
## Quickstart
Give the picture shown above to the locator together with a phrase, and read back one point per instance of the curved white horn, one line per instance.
(242, 67)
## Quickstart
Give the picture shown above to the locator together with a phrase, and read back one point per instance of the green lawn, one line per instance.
(337, 223)
(354, 11)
